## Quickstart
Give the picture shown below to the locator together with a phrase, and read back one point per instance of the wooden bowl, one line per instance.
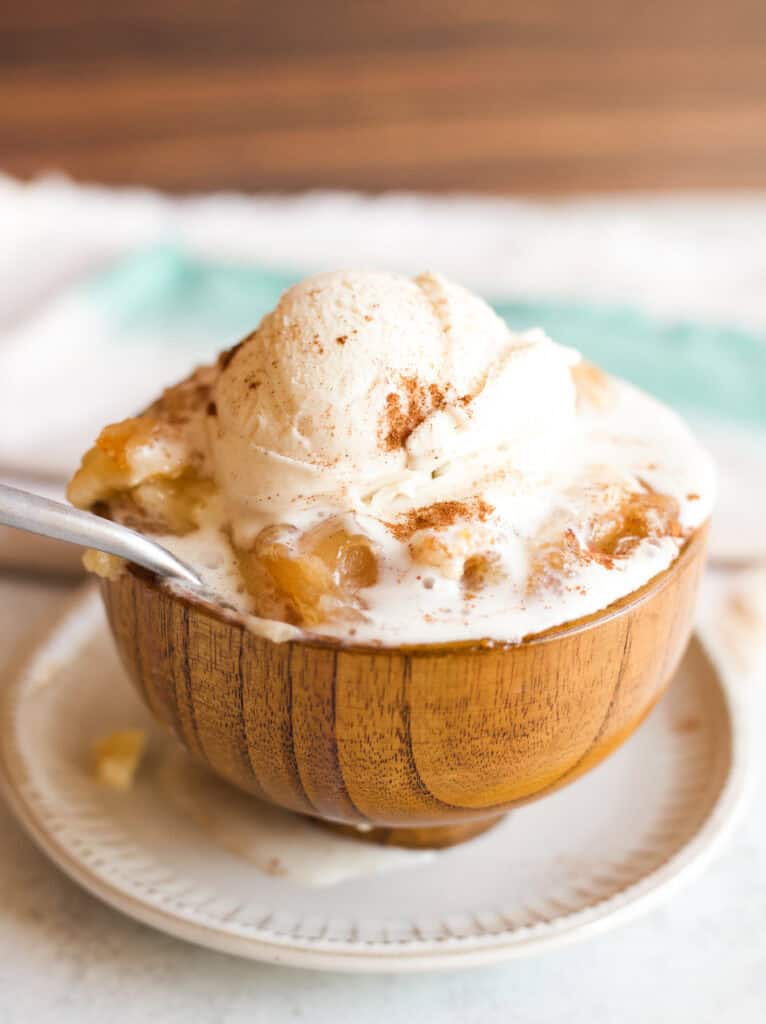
(427, 744)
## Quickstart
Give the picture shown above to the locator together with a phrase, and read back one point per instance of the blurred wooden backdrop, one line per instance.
(499, 95)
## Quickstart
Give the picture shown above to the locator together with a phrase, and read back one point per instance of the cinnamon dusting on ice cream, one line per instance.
(407, 409)
(439, 516)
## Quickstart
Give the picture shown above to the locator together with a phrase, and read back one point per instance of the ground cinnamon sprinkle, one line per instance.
(226, 357)
(437, 396)
(439, 516)
(407, 409)
(176, 405)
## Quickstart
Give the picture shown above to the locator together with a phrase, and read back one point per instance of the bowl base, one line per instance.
(430, 837)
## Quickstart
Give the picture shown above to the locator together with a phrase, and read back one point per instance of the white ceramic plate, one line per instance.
(232, 875)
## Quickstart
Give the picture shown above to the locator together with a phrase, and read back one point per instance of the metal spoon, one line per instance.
(30, 512)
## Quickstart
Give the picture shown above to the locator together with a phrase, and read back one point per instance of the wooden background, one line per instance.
(529, 96)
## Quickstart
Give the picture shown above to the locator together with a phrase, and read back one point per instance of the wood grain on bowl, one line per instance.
(403, 737)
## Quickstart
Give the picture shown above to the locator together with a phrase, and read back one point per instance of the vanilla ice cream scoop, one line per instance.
(361, 387)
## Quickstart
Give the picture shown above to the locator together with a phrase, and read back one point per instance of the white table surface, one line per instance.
(65, 957)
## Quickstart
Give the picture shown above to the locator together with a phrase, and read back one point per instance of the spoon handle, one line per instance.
(30, 512)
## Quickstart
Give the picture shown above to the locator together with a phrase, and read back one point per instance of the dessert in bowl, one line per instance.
(454, 566)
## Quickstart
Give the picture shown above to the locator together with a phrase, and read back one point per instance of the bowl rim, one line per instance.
(694, 544)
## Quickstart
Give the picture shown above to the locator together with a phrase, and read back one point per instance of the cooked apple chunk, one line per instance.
(457, 551)
(622, 522)
(311, 577)
(150, 471)
(117, 758)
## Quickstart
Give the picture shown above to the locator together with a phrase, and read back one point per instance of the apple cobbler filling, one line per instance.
(141, 473)
(311, 577)
(624, 520)
(151, 472)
